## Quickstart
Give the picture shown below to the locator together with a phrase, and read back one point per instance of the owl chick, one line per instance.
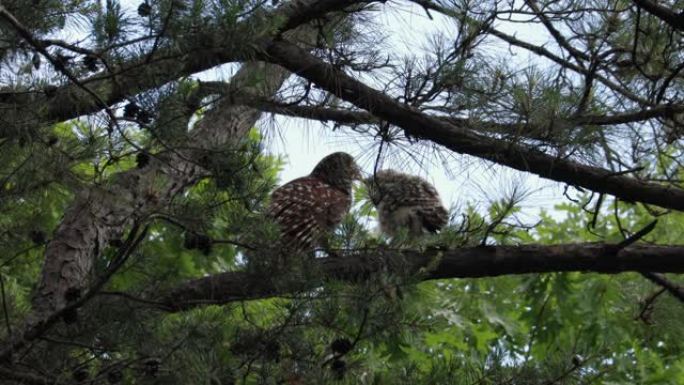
(308, 208)
(406, 202)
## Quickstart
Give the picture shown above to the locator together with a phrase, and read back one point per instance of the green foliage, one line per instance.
(542, 329)
(110, 24)
(42, 17)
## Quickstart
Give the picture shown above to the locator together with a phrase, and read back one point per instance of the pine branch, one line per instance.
(38, 45)
(142, 73)
(665, 14)
(659, 279)
(579, 56)
(472, 262)
(346, 116)
(540, 51)
(101, 213)
(460, 139)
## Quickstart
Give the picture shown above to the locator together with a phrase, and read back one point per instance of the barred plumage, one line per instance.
(406, 202)
(308, 208)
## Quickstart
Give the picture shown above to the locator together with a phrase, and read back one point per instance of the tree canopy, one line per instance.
(134, 176)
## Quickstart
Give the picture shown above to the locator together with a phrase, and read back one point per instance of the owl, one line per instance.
(406, 202)
(308, 208)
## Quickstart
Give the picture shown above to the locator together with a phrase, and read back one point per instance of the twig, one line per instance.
(4, 306)
(564, 374)
(656, 278)
(38, 45)
(162, 32)
(636, 236)
(624, 172)
(648, 306)
(661, 280)
(579, 56)
(597, 208)
(356, 339)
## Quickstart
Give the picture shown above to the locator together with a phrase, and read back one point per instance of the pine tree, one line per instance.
(134, 246)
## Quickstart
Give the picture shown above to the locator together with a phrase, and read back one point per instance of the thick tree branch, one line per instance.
(265, 104)
(665, 14)
(659, 111)
(100, 214)
(167, 64)
(77, 298)
(322, 114)
(659, 279)
(299, 12)
(344, 116)
(462, 140)
(473, 262)
(352, 117)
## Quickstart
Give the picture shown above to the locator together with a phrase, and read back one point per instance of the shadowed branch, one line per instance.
(473, 262)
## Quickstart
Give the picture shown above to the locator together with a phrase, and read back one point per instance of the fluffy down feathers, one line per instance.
(406, 202)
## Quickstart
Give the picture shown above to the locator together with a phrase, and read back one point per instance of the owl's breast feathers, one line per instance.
(307, 208)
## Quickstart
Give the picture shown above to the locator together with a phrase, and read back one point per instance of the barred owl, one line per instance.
(308, 208)
(406, 202)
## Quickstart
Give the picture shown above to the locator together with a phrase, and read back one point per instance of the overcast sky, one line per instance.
(462, 179)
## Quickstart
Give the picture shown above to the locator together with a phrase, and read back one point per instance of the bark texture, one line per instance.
(101, 213)
(473, 262)
(149, 71)
(665, 14)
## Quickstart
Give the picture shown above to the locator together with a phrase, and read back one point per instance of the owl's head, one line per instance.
(338, 169)
(390, 184)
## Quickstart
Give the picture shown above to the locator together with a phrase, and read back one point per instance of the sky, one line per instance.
(461, 180)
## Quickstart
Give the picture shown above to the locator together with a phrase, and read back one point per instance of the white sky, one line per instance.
(461, 180)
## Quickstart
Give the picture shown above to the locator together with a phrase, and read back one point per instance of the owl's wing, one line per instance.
(305, 208)
(434, 217)
(337, 206)
(433, 213)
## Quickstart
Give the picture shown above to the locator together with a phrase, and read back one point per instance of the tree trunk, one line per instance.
(100, 214)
